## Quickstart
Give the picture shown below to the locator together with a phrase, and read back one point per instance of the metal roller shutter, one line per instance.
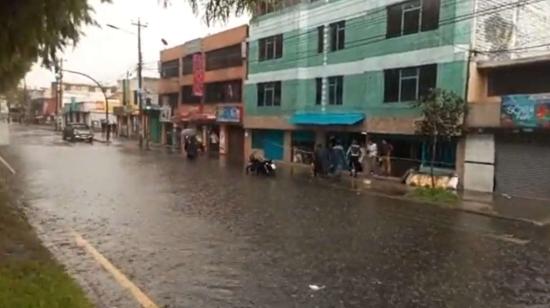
(523, 165)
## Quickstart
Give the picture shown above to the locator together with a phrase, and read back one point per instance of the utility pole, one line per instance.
(59, 103)
(142, 133)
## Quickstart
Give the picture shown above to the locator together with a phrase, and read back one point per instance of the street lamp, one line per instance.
(140, 78)
(108, 132)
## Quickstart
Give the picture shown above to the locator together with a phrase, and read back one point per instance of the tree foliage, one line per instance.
(443, 114)
(221, 10)
(36, 30)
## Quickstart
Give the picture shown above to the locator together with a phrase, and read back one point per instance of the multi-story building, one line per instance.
(83, 103)
(201, 84)
(344, 69)
(349, 69)
(506, 149)
(128, 114)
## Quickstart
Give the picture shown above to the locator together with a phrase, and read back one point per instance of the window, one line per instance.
(171, 99)
(169, 69)
(271, 47)
(224, 57)
(409, 84)
(67, 87)
(525, 79)
(335, 90)
(269, 93)
(338, 35)
(223, 92)
(320, 39)
(412, 17)
(187, 96)
(187, 65)
(318, 91)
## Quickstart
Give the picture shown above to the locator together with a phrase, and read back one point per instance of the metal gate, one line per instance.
(523, 165)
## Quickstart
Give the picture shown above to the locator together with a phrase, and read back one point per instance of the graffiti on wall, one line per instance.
(532, 111)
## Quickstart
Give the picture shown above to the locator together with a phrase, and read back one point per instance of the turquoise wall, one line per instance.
(365, 38)
(362, 92)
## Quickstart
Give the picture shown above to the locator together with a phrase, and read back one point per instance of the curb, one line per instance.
(370, 191)
(460, 209)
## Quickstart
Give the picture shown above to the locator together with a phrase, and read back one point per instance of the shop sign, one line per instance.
(532, 111)
(198, 74)
(230, 114)
(165, 114)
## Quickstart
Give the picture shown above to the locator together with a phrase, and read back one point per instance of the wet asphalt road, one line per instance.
(203, 234)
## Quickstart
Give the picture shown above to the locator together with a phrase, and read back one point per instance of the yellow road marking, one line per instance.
(144, 301)
(7, 165)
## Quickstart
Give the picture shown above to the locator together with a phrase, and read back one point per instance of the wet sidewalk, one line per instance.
(535, 212)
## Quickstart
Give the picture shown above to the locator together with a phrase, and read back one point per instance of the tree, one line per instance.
(443, 114)
(222, 10)
(36, 30)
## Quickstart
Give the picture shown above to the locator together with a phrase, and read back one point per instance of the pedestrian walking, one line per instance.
(338, 157)
(386, 150)
(192, 147)
(354, 156)
(372, 157)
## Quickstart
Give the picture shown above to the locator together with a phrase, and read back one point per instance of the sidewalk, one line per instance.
(535, 212)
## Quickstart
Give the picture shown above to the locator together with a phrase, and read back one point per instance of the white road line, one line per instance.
(7, 165)
(143, 300)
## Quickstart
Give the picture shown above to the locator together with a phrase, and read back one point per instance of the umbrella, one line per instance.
(189, 132)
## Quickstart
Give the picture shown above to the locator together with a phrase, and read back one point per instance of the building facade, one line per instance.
(201, 87)
(128, 113)
(71, 96)
(507, 146)
(345, 69)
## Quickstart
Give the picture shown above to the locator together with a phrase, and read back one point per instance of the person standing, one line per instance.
(192, 148)
(386, 150)
(372, 156)
(318, 164)
(354, 156)
(338, 158)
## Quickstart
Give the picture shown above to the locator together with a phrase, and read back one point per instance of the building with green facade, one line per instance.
(349, 69)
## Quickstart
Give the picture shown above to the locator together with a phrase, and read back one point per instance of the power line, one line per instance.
(382, 37)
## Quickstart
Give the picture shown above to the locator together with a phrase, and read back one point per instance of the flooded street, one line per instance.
(203, 234)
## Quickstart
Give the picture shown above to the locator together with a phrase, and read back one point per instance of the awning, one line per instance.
(318, 118)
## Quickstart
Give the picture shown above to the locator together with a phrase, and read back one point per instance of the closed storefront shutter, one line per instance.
(523, 165)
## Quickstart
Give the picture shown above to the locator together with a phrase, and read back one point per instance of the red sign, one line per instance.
(198, 74)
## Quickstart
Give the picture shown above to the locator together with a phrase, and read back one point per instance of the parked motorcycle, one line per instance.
(263, 167)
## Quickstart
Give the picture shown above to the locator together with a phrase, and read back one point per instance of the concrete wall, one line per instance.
(479, 163)
(507, 25)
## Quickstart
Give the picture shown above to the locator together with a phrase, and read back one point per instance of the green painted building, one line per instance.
(350, 68)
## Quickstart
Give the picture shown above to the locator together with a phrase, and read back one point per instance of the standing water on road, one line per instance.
(203, 234)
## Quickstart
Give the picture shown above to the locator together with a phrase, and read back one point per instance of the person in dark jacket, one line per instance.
(319, 163)
(354, 157)
(192, 148)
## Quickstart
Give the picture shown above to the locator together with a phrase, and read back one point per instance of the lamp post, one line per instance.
(140, 91)
(108, 129)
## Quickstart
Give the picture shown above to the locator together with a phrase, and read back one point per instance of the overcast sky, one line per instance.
(107, 54)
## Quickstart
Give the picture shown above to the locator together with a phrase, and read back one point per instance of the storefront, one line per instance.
(522, 164)
(269, 142)
(230, 132)
(153, 124)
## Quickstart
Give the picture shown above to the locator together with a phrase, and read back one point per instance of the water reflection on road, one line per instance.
(203, 234)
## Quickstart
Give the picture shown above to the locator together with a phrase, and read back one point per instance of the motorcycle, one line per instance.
(265, 167)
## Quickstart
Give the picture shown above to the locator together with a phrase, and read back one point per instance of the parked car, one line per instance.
(78, 131)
